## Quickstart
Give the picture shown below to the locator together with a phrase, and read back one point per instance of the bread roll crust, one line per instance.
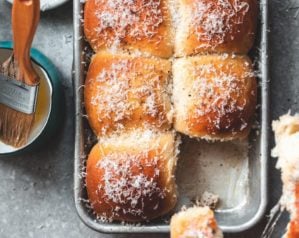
(131, 178)
(216, 26)
(214, 96)
(124, 92)
(118, 25)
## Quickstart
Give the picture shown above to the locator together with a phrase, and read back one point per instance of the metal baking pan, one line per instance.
(236, 171)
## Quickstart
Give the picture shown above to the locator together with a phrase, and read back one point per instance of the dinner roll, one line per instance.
(124, 92)
(214, 96)
(131, 177)
(141, 25)
(215, 26)
(194, 223)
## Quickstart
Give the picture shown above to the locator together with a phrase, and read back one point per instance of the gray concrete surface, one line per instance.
(36, 196)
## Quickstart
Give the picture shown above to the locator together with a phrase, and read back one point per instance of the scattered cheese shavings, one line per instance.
(214, 20)
(219, 92)
(118, 19)
(125, 183)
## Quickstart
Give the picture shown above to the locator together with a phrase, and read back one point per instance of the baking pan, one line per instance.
(236, 171)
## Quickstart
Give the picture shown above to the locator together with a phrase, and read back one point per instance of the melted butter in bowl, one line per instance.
(43, 107)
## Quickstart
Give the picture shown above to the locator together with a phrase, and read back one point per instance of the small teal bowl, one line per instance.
(50, 104)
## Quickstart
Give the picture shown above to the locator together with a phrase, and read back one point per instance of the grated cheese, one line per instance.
(219, 92)
(213, 21)
(125, 184)
(124, 88)
(118, 19)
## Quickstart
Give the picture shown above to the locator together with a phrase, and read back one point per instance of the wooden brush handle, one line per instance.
(25, 18)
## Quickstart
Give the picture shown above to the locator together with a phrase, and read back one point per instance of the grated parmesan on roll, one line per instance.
(142, 26)
(221, 26)
(214, 96)
(131, 177)
(124, 92)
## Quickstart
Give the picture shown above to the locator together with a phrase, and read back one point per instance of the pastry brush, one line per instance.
(18, 79)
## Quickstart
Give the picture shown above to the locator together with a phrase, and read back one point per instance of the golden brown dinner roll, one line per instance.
(214, 96)
(124, 92)
(215, 26)
(131, 177)
(140, 25)
(194, 223)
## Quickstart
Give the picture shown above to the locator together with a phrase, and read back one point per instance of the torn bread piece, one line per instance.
(286, 131)
(195, 222)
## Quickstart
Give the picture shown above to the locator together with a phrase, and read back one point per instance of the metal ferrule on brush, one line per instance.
(17, 95)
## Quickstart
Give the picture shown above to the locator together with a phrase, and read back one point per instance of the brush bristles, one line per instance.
(15, 127)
